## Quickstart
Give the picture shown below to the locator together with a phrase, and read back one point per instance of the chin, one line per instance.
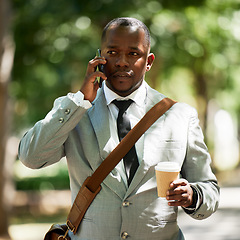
(122, 88)
(123, 91)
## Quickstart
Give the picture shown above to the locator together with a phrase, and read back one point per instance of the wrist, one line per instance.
(194, 198)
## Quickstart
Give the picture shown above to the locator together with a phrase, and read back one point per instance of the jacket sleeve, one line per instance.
(197, 170)
(43, 144)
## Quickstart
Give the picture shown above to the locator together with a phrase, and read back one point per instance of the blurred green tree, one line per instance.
(196, 46)
(54, 44)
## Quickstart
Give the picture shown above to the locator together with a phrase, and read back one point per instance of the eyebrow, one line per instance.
(132, 48)
(135, 48)
(111, 46)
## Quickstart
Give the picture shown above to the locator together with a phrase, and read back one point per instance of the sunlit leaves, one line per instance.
(192, 40)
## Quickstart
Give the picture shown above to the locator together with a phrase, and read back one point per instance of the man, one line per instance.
(82, 126)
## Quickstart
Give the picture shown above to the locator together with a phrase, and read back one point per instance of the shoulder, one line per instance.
(153, 97)
(185, 108)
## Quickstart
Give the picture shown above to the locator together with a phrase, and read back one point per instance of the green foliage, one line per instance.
(196, 44)
(54, 177)
(58, 182)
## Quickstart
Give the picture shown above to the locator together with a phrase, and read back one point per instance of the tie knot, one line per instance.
(123, 105)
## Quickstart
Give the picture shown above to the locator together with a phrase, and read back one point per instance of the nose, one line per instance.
(122, 61)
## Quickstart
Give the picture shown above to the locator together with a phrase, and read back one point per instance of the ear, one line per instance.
(150, 60)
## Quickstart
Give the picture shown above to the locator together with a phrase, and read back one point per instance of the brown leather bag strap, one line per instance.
(92, 185)
(126, 144)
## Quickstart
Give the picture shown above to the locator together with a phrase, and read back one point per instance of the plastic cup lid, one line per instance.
(168, 167)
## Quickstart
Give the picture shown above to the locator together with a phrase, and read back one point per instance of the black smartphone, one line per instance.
(99, 68)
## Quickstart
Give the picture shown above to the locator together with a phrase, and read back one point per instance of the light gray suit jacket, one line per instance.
(83, 136)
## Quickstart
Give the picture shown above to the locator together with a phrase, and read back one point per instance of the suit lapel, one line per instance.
(150, 159)
(99, 117)
(150, 155)
(138, 177)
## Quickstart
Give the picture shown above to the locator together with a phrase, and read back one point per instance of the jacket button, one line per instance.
(67, 111)
(124, 235)
(61, 120)
(126, 203)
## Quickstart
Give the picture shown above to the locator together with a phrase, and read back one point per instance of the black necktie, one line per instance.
(123, 125)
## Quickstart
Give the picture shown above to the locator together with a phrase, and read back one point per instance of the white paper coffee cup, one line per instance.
(166, 172)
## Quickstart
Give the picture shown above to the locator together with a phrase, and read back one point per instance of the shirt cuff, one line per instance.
(78, 99)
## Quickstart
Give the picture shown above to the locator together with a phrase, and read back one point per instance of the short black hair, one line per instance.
(128, 21)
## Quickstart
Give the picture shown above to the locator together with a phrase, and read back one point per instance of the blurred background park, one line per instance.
(44, 50)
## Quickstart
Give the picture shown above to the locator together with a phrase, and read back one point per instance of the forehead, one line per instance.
(131, 36)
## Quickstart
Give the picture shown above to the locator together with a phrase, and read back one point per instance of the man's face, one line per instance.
(128, 58)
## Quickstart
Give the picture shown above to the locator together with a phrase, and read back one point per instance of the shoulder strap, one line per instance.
(126, 144)
(92, 185)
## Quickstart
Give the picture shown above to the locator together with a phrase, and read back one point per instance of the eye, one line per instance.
(134, 53)
(111, 52)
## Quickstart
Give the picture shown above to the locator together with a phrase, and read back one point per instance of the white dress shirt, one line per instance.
(135, 112)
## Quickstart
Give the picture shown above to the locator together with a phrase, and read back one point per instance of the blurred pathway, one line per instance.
(223, 225)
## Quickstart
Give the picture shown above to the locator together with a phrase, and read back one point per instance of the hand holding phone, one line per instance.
(91, 82)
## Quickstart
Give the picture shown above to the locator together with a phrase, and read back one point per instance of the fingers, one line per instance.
(178, 182)
(180, 193)
(91, 73)
(94, 63)
(90, 86)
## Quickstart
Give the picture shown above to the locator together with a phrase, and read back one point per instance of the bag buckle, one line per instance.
(64, 237)
(70, 227)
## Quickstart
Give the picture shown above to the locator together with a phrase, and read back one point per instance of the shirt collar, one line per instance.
(136, 96)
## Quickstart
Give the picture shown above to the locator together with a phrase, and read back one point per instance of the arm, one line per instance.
(43, 144)
(198, 191)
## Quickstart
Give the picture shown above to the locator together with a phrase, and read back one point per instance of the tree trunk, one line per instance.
(202, 100)
(6, 61)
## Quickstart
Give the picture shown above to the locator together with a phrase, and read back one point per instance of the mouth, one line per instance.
(122, 75)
